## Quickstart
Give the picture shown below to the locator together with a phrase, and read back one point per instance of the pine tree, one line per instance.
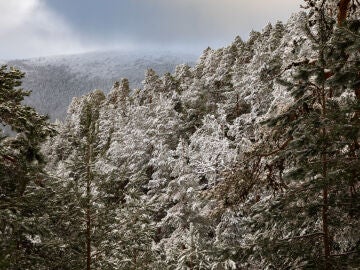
(169, 85)
(152, 87)
(276, 35)
(297, 186)
(84, 173)
(184, 76)
(121, 220)
(321, 130)
(79, 182)
(25, 233)
(120, 95)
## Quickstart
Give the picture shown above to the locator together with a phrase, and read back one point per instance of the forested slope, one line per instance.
(248, 160)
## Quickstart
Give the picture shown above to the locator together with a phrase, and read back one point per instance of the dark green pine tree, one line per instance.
(315, 223)
(26, 239)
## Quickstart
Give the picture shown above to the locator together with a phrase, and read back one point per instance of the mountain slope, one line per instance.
(55, 80)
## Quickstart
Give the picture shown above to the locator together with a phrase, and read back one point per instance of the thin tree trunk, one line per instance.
(325, 227)
(88, 209)
(325, 224)
(88, 238)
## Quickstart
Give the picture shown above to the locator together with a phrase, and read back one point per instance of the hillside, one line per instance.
(250, 159)
(193, 171)
(55, 80)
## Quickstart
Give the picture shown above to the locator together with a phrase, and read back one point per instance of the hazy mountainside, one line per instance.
(250, 159)
(55, 80)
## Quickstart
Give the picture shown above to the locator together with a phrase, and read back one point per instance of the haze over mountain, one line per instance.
(55, 80)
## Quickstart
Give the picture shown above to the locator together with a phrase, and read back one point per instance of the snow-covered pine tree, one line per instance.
(79, 182)
(320, 131)
(152, 87)
(85, 177)
(120, 95)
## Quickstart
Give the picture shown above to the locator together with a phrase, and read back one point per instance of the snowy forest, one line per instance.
(250, 159)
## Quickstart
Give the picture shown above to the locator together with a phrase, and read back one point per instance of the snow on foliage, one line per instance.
(159, 151)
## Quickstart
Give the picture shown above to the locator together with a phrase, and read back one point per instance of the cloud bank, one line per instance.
(29, 28)
(47, 27)
(182, 23)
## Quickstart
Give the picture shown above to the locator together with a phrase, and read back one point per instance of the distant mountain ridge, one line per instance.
(55, 80)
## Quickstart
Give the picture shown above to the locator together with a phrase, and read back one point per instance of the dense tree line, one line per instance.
(55, 80)
(248, 160)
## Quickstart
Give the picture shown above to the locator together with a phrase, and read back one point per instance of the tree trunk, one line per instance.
(343, 10)
(88, 239)
(325, 224)
(325, 228)
(88, 208)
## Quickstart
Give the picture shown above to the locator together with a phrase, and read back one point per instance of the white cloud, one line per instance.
(28, 28)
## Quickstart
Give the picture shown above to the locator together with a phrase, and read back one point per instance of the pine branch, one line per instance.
(352, 33)
(282, 147)
(8, 158)
(303, 236)
(344, 254)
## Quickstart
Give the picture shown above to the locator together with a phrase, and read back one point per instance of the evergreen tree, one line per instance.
(319, 212)
(152, 87)
(82, 220)
(119, 95)
(184, 76)
(25, 227)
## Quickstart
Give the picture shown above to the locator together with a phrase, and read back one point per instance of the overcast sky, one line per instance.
(30, 28)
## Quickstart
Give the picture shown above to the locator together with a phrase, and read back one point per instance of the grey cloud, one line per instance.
(171, 21)
(184, 24)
